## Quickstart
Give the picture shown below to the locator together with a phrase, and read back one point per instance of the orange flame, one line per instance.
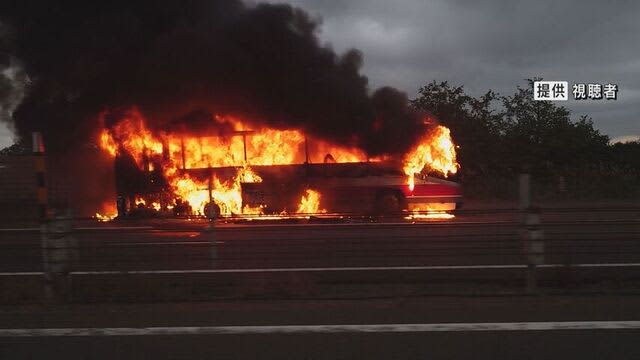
(108, 143)
(107, 213)
(435, 151)
(133, 136)
(310, 203)
(241, 149)
(431, 212)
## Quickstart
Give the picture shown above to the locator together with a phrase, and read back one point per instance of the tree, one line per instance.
(500, 136)
(541, 137)
(475, 124)
(626, 157)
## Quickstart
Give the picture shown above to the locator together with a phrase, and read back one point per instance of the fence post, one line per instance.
(58, 246)
(60, 251)
(531, 233)
(533, 239)
(42, 208)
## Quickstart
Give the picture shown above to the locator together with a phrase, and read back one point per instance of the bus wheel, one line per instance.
(388, 203)
(212, 210)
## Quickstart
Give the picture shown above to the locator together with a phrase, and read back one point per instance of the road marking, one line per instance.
(20, 229)
(250, 225)
(221, 226)
(253, 225)
(22, 273)
(446, 223)
(138, 244)
(327, 329)
(115, 228)
(328, 269)
(84, 228)
(276, 270)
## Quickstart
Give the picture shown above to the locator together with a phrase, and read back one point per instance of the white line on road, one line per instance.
(138, 244)
(22, 273)
(274, 270)
(328, 269)
(19, 229)
(327, 329)
(253, 226)
(83, 228)
(360, 224)
(115, 228)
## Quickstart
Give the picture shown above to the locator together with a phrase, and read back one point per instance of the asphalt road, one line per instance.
(188, 260)
(465, 241)
(577, 327)
(473, 247)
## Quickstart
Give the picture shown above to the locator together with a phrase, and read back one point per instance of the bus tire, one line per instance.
(389, 203)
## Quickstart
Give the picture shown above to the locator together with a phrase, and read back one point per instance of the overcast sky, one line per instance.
(496, 45)
(492, 45)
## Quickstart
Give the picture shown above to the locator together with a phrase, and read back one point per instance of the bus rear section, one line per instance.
(354, 188)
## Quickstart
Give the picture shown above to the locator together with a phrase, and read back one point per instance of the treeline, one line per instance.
(502, 136)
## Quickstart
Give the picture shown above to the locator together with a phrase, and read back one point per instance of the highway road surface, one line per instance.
(601, 238)
(183, 260)
(538, 327)
(330, 290)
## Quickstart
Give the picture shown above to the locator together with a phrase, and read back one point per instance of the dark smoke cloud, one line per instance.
(180, 59)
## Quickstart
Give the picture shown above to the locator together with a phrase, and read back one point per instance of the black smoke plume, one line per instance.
(172, 59)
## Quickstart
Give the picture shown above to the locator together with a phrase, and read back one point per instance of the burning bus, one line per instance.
(235, 168)
(232, 107)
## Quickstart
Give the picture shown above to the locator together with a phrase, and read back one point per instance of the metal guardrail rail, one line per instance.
(75, 246)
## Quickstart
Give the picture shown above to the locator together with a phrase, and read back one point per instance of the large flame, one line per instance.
(310, 203)
(435, 151)
(239, 150)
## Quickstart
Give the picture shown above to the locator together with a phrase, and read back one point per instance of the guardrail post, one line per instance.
(59, 248)
(43, 209)
(533, 240)
(532, 234)
(47, 278)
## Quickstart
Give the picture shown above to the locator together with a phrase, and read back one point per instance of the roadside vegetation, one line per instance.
(502, 136)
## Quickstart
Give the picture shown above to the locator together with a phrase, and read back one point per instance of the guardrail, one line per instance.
(524, 245)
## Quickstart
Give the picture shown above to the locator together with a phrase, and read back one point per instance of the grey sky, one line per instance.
(492, 45)
(496, 45)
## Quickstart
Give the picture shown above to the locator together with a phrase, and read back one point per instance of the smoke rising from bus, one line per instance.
(180, 61)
